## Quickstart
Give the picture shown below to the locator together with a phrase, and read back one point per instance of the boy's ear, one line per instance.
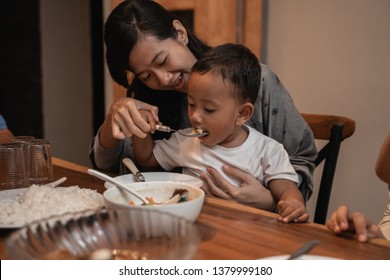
(181, 31)
(245, 113)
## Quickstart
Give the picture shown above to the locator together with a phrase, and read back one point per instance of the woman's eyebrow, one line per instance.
(156, 56)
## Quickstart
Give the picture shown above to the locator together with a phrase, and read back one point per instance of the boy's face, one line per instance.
(213, 107)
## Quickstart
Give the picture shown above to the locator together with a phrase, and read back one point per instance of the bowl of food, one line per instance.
(106, 234)
(171, 197)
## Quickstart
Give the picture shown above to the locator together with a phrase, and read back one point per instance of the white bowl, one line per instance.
(159, 191)
(158, 176)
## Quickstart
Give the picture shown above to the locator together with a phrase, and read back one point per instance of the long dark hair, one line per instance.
(132, 18)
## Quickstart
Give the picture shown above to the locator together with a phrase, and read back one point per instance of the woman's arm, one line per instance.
(113, 141)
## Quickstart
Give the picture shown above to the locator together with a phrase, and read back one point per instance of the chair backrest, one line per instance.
(334, 129)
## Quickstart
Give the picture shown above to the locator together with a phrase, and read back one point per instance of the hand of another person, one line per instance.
(5, 135)
(342, 220)
(126, 119)
(292, 210)
(251, 192)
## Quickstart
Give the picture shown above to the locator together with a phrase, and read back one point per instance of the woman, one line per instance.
(146, 41)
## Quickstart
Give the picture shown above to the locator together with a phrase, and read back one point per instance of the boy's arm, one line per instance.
(290, 201)
(143, 152)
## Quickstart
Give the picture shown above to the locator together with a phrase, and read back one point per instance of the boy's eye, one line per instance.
(209, 110)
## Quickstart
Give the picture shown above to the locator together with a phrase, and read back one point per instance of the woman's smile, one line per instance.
(180, 83)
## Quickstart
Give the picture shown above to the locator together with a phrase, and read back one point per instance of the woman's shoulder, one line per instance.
(267, 74)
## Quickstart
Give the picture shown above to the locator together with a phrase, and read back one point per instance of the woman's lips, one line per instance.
(179, 83)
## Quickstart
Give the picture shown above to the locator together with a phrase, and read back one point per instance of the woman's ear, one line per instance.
(245, 113)
(181, 31)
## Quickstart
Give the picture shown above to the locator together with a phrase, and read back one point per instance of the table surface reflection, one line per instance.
(233, 231)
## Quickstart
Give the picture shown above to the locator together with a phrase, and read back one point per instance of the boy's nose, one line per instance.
(196, 118)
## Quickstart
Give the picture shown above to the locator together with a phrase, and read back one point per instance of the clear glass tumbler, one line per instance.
(24, 140)
(40, 161)
(13, 172)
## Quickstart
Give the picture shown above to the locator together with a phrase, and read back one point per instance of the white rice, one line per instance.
(40, 202)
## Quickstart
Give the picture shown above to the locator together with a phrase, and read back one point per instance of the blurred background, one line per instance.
(332, 56)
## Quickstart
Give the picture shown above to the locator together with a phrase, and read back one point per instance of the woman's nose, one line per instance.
(164, 78)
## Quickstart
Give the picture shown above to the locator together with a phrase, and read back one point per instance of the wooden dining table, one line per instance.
(232, 231)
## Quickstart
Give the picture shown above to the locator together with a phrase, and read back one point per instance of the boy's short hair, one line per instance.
(234, 63)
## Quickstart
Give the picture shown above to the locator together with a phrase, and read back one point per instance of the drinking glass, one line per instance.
(24, 141)
(23, 138)
(40, 161)
(13, 172)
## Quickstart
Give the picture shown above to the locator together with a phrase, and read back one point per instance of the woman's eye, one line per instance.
(145, 78)
(164, 61)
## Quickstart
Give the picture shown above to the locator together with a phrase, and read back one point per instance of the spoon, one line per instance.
(131, 166)
(111, 180)
(188, 132)
(303, 249)
(174, 199)
(56, 183)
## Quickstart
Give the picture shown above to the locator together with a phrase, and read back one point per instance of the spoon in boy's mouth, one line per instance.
(188, 132)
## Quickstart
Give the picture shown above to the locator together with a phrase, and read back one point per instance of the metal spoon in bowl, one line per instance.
(188, 132)
(56, 183)
(113, 181)
(175, 198)
(131, 166)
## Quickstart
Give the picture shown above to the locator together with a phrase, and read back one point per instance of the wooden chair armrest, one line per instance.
(321, 125)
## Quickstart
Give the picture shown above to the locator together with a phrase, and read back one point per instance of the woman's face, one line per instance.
(162, 65)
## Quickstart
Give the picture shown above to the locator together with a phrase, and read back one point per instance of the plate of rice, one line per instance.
(19, 207)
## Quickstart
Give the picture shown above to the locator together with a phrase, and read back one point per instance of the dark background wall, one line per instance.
(20, 67)
(51, 72)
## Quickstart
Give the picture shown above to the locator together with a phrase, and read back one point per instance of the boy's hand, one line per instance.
(292, 210)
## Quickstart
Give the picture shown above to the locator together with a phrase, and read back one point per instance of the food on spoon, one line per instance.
(198, 131)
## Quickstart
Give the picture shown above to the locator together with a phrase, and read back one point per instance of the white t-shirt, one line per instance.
(259, 155)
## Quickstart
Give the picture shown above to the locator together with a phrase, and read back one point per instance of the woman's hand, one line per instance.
(251, 192)
(342, 220)
(125, 120)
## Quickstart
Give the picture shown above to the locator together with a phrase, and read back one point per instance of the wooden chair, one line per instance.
(335, 129)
